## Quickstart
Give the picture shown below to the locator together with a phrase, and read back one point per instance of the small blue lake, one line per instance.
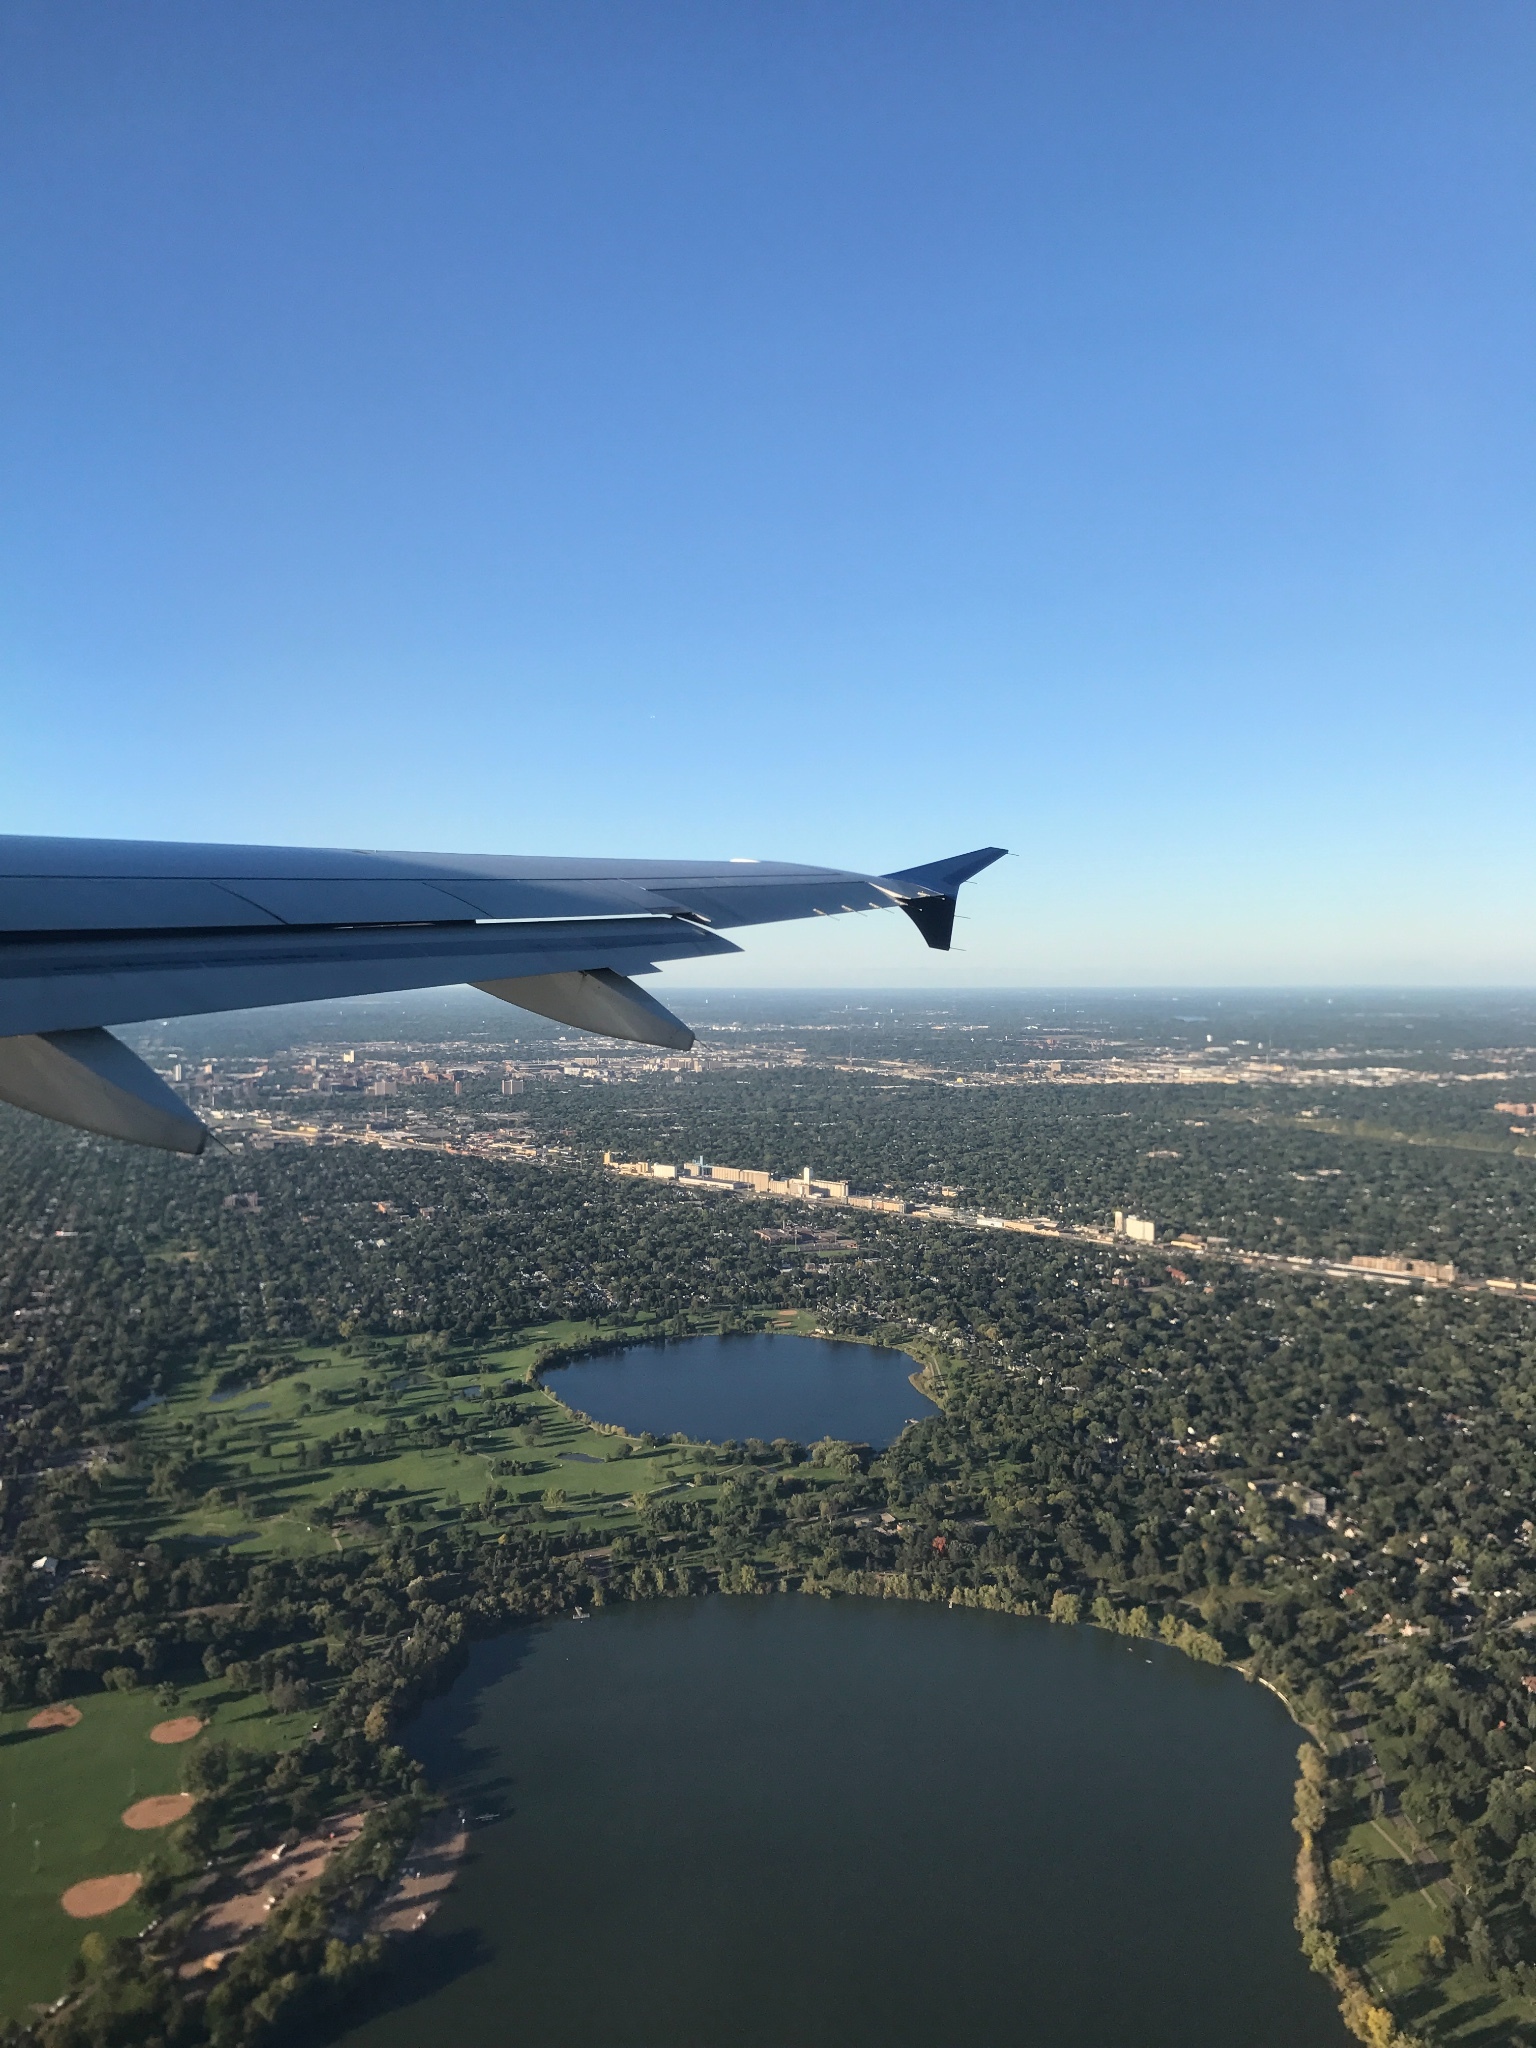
(716, 1389)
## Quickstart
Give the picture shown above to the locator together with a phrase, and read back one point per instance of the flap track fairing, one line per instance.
(91, 1080)
(609, 1004)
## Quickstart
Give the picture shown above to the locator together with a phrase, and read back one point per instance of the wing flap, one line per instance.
(118, 903)
(347, 900)
(60, 985)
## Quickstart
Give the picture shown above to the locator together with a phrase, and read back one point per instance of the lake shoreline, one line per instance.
(781, 1386)
(575, 1720)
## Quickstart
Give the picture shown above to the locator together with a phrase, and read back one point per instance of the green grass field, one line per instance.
(1387, 1922)
(62, 1795)
(250, 1478)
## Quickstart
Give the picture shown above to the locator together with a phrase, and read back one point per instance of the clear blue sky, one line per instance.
(843, 432)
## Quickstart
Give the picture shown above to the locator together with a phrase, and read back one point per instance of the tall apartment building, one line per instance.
(1139, 1229)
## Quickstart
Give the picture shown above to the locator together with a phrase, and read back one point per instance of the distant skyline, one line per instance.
(833, 432)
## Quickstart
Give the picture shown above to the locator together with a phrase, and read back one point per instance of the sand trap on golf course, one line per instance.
(56, 1717)
(159, 1812)
(182, 1729)
(100, 1895)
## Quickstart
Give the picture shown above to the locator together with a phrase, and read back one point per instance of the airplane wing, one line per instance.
(102, 931)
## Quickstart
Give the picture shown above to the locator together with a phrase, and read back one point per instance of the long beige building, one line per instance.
(806, 1187)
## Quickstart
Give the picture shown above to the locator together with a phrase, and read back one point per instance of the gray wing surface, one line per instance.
(98, 932)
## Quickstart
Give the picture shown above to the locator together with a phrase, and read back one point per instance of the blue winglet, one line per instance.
(934, 889)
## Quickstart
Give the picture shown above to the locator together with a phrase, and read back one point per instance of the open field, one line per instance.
(62, 1796)
(425, 1437)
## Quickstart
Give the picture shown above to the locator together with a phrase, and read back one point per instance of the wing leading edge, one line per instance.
(98, 932)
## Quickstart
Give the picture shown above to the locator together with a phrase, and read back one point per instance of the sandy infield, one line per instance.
(56, 1717)
(159, 1812)
(182, 1729)
(100, 1895)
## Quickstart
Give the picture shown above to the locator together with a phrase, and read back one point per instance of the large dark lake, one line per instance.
(858, 1824)
(715, 1389)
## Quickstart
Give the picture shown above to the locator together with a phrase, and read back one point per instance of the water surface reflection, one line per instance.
(715, 1389)
(860, 1824)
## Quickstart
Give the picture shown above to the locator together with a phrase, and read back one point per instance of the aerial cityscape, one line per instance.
(767, 1025)
(295, 1427)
